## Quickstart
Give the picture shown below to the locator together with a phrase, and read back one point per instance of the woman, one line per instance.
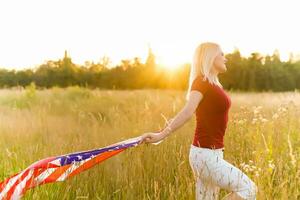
(206, 97)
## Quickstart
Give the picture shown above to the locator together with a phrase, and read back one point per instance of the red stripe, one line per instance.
(56, 174)
(29, 181)
(2, 185)
(40, 171)
(45, 163)
(34, 184)
(12, 189)
(37, 172)
(95, 161)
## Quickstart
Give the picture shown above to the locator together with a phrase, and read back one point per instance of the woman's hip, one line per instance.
(204, 153)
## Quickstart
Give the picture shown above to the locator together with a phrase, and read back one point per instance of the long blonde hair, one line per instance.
(202, 63)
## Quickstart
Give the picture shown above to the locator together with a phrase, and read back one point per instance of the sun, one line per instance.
(169, 63)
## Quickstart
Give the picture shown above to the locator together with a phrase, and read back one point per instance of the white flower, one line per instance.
(254, 120)
(263, 120)
(275, 116)
(282, 109)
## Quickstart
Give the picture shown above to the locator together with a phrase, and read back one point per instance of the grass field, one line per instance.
(262, 139)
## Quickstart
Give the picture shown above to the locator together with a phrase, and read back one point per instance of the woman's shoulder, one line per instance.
(201, 84)
(201, 80)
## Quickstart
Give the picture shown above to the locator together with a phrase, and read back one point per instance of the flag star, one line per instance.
(79, 157)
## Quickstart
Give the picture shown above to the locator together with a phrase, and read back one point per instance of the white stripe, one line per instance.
(73, 167)
(130, 140)
(40, 178)
(49, 171)
(9, 184)
(18, 190)
(56, 162)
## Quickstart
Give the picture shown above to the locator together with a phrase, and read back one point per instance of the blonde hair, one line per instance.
(202, 63)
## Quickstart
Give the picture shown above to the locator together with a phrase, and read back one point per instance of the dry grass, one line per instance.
(262, 139)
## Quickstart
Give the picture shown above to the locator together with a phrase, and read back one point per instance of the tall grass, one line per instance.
(262, 139)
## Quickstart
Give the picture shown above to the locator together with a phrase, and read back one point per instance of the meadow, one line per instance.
(262, 139)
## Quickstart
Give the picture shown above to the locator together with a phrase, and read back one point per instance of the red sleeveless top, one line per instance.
(211, 115)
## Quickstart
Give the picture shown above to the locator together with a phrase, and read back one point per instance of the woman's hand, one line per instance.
(151, 138)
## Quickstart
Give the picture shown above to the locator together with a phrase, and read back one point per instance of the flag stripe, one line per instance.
(9, 184)
(40, 179)
(59, 168)
(30, 182)
(17, 193)
(95, 161)
(56, 173)
(19, 179)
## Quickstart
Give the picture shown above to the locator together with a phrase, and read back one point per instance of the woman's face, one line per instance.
(219, 63)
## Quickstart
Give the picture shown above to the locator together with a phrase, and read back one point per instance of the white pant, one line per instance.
(212, 172)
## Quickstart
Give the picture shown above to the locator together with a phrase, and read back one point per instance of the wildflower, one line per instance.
(282, 109)
(242, 121)
(254, 120)
(275, 116)
(271, 166)
(263, 120)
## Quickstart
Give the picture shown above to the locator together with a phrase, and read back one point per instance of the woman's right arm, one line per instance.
(185, 114)
(176, 122)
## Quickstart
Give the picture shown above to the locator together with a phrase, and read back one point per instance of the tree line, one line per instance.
(253, 73)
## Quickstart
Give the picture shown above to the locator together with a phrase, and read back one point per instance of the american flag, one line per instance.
(59, 168)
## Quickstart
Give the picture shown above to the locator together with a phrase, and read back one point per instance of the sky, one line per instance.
(34, 31)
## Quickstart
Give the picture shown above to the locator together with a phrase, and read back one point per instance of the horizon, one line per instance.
(143, 60)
